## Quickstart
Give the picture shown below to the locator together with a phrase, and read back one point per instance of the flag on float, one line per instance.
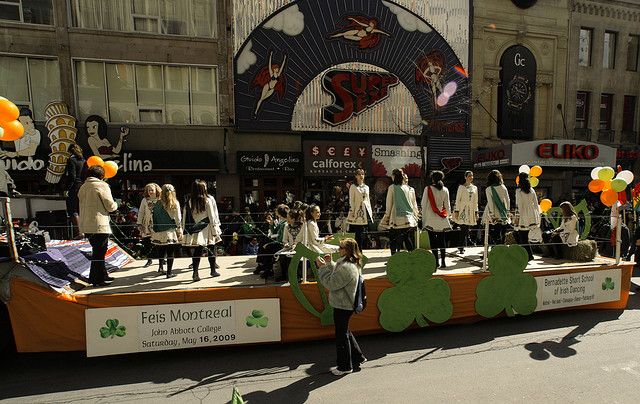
(236, 398)
(635, 196)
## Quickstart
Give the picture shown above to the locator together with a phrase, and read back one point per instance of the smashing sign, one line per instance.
(354, 92)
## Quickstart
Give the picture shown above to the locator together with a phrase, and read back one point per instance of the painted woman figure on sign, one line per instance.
(25, 146)
(271, 80)
(97, 137)
(363, 31)
(429, 70)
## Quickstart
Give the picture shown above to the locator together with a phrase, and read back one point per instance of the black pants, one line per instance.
(464, 236)
(438, 240)
(359, 230)
(496, 233)
(266, 253)
(211, 256)
(99, 243)
(556, 246)
(348, 351)
(399, 238)
(168, 252)
(149, 250)
(522, 238)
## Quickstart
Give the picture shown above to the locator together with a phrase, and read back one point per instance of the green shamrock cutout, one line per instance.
(257, 319)
(508, 288)
(416, 295)
(113, 329)
(608, 284)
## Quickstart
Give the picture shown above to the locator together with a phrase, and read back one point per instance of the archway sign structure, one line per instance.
(286, 51)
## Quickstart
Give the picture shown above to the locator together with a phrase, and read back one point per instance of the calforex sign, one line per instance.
(354, 92)
(269, 163)
(578, 289)
(384, 159)
(496, 157)
(563, 153)
(118, 330)
(335, 159)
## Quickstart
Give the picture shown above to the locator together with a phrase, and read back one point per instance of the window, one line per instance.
(609, 51)
(30, 82)
(29, 11)
(582, 110)
(628, 113)
(633, 46)
(153, 93)
(584, 51)
(196, 18)
(606, 105)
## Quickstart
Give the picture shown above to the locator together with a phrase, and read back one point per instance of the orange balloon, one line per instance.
(8, 111)
(518, 180)
(545, 205)
(95, 161)
(535, 171)
(13, 130)
(110, 169)
(606, 185)
(596, 185)
(609, 197)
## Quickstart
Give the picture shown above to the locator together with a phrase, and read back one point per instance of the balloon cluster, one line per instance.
(534, 172)
(602, 180)
(10, 127)
(110, 167)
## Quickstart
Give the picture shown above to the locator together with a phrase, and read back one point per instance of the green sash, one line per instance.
(498, 202)
(402, 206)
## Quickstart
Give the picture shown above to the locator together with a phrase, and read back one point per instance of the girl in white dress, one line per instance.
(567, 232)
(465, 212)
(167, 230)
(401, 216)
(435, 214)
(496, 213)
(527, 213)
(360, 214)
(312, 238)
(151, 196)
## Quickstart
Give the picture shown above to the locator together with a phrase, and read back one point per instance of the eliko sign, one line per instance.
(496, 157)
(335, 159)
(563, 153)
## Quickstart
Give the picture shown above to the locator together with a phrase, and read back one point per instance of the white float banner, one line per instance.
(578, 289)
(119, 330)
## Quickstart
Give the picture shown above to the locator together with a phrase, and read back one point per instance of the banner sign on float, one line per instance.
(578, 289)
(119, 330)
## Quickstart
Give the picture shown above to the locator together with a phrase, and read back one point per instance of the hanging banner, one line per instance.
(517, 94)
(118, 330)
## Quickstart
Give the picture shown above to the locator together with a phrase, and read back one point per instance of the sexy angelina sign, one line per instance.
(354, 92)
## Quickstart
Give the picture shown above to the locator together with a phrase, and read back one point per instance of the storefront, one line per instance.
(566, 165)
(269, 178)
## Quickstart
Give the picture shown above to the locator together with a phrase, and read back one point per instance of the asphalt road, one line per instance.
(569, 357)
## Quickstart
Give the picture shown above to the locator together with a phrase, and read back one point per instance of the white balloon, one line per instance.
(524, 169)
(626, 176)
(594, 173)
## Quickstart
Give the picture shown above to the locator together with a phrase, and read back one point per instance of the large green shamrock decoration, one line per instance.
(416, 295)
(508, 288)
(257, 319)
(113, 329)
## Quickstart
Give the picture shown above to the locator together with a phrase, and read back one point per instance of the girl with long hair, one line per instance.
(527, 212)
(202, 207)
(150, 196)
(496, 213)
(341, 278)
(567, 232)
(360, 213)
(313, 240)
(74, 171)
(401, 215)
(167, 230)
(465, 211)
(435, 214)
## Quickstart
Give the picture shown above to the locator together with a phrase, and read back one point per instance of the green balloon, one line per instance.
(618, 185)
(606, 173)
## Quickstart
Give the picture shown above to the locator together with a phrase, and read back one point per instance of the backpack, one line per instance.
(360, 301)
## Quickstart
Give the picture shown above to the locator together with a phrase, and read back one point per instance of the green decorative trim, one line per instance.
(508, 288)
(416, 294)
(335, 240)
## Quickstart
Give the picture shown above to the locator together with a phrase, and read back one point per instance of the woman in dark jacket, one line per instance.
(74, 173)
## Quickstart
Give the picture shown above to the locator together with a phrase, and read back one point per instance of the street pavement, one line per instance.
(579, 356)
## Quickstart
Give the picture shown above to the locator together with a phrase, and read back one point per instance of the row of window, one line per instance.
(583, 100)
(610, 41)
(119, 92)
(194, 18)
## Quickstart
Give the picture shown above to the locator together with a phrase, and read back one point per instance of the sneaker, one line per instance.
(339, 372)
(195, 277)
(109, 279)
(147, 264)
(215, 274)
(171, 276)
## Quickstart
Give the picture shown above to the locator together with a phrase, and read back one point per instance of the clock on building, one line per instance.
(524, 3)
